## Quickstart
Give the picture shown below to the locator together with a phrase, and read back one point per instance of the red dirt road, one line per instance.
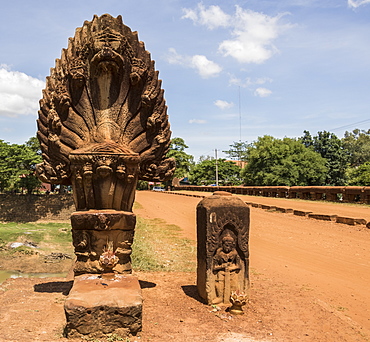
(310, 282)
(331, 261)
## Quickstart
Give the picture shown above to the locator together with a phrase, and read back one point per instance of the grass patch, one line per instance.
(49, 237)
(158, 246)
(137, 205)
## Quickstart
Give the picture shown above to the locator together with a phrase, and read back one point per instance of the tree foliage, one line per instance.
(330, 147)
(204, 173)
(184, 161)
(357, 143)
(359, 175)
(17, 167)
(238, 151)
(285, 161)
(34, 145)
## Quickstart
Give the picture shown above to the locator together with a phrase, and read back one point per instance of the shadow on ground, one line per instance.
(54, 286)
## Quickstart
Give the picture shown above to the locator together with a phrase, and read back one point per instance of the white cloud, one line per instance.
(262, 92)
(19, 93)
(357, 3)
(263, 80)
(248, 82)
(174, 58)
(205, 67)
(197, 121)
(202, 64)
(223, 104)
(253, 33)
(213, 17)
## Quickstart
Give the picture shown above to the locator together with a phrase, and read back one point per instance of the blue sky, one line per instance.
(231, 70)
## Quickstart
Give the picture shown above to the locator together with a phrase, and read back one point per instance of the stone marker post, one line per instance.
(222, 247)
(102, 126)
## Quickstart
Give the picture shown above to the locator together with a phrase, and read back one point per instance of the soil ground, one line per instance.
(309, 282)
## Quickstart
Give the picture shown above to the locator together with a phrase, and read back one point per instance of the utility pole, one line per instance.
(216, 167)
(240, 118)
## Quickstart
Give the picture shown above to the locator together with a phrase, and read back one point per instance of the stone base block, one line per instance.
(102, 304)
(301, 212)
(323, 217)
(103, 220)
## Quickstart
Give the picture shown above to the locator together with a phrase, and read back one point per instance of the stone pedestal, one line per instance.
(222, 247)
(101, 304)
(93, 229)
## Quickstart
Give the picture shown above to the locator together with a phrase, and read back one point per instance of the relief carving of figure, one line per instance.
(226, 266)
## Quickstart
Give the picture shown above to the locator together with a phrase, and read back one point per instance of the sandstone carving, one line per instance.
(103, 125)
(226, 266)
(222, 250)
(238, 300)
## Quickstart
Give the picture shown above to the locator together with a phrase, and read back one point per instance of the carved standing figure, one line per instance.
(226, 266)
(222, 247)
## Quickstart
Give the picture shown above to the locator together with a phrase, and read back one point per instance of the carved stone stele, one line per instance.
(222, 247)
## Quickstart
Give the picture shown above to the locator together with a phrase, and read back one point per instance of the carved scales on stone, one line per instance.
(103, 125)
(104, 94)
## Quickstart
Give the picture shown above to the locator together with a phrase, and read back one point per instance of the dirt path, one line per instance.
(330, 260)
(309, 282)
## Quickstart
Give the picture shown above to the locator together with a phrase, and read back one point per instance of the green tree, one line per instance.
(34, 144)
(285, 161)
(5, 169)
(357, 143)
(204, 173)
(238, 151)
(359, 175)
(331, 148)
(184, 161)
(306, 139)
(17, 167)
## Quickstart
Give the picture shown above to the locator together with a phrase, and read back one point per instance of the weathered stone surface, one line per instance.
(323, 217)
(103, 125)
(284, 210)
(90, 245)
(103, 220)
(31, 208)
(346, 220)
(99, 305)
(91, 232)
(222, 250)
(104, 176)
(265, 206)
(301, 212)
(351, 220)
(360, 221)
(102, 113)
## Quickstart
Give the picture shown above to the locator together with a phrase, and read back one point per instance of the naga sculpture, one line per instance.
(103, 125)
